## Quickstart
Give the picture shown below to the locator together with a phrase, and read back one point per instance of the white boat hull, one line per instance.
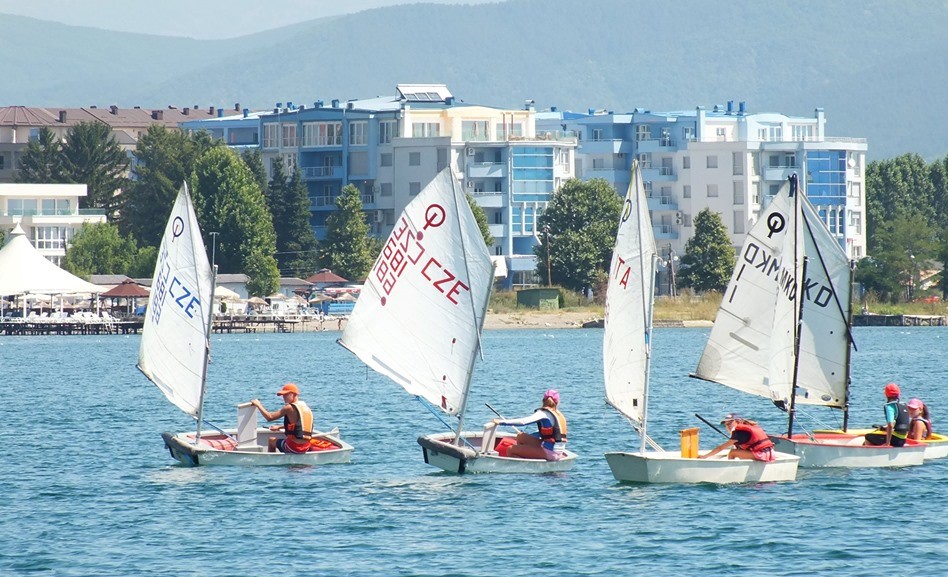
(220, 449)
(671, 467)
(847, 451)
(936, 447)
(440, 451)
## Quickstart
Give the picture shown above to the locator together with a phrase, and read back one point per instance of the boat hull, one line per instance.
(219, 449)
(671, 467)
(936, 446)
(846, 451)
(440, 451)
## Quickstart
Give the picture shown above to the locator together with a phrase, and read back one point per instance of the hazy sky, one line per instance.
(195, 18)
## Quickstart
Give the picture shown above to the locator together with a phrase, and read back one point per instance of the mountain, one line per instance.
(873, 65)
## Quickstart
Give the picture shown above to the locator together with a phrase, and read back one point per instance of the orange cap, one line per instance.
(289, 388)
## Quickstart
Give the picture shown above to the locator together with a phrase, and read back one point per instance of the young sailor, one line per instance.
(297, 421)
(549, 442)
(897, 421)
(920, 426)
(748, 439)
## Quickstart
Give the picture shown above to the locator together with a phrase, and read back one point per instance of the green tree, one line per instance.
(42, 163)
(579, 230)
(230, 202)
(165, 159)
(897, 187)
(346, 250)
(481, 219)
(99, 249)
(296, 241)
(93, 157)
(254, 161)
(709, 256)
(907, 246)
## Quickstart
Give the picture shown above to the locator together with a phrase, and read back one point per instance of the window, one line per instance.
(358, 133)
(712, 161)
(359, 163)
(738, 159)
(686, 191)
(688, 133)
(289, 162)
(385, 159)
(643, 132)
(21, 206)
(855, 221)
(270, 134)
(388, 129)
(685, 162)
(414, 159)
(509, 130)
(475, 130)
(321, 134)
(386, 189)
(738, 222)
(425, 129)
(597, 134)
(414, 188)
(645, 160)
(598, 163)
(712, 191)
(55, 206)
(3, 162)
(721, 133)
(738, 192)
(289, 135)
(498, 217)
(802, 132)
(50, 237)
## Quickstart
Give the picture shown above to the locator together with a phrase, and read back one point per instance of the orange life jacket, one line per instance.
(555, 432)
(304, 418)
(758, 438)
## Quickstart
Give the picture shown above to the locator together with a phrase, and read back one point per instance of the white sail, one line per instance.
(418, 318)
(174, 337)
(629, 299)
(751, 347)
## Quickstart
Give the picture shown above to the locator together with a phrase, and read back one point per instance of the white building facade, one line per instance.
(48, 213)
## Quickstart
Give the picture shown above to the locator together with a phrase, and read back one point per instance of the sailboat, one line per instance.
(175, 349)
(419, 317)
(783, 331)
(626, 363)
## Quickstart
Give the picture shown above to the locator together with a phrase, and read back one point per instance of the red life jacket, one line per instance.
(758, 438)
(555, 432)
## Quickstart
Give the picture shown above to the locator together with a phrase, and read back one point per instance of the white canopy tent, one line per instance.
(24, 270)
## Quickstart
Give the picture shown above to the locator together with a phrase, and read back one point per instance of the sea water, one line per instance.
(87, 488)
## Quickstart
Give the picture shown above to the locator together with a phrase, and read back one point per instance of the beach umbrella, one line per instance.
(346, 297)
(225, 294)
(256, 301)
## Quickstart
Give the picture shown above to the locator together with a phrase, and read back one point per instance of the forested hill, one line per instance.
(877, 67)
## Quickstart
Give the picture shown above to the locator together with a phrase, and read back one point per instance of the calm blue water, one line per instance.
(100, 496)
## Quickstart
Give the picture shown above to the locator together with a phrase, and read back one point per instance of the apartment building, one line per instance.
(21, 124)
(391, 147)
(726, 159)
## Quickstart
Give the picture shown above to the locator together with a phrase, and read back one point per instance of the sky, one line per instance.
(203, 19)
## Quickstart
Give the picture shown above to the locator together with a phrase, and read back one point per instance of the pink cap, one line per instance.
(552, 394)
(915, 404)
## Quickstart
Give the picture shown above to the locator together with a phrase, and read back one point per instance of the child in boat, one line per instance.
(548, 443)
(897, 421)
(748, 439)
(297, 421)
(920, 427)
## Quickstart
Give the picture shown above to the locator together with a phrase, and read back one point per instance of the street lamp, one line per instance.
(546, 233)
(911, 287)
(672, 257)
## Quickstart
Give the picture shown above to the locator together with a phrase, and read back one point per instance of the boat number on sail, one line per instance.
(183, 296)
(623, 270)
(405, 246)
(761, 260)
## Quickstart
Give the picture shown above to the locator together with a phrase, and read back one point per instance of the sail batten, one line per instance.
(419, 315)
(174, 336)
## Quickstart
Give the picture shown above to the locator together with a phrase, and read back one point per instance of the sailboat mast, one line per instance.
(649, 309)
(480, 325)
(207, 341)
(798, 329)
(849, 348)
